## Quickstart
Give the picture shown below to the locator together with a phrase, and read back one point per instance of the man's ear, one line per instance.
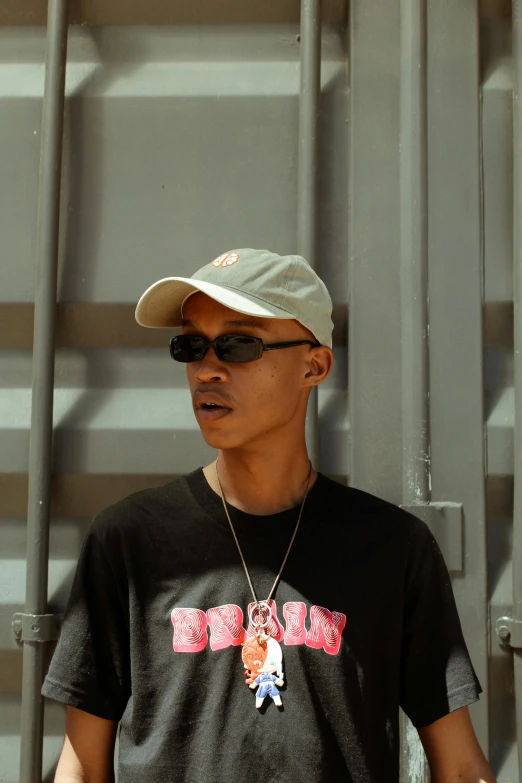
(320, 363)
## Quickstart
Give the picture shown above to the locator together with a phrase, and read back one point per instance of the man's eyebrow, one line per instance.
(234, 322)
(247, 323)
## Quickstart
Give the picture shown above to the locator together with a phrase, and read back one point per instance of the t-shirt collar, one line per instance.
(249, 525)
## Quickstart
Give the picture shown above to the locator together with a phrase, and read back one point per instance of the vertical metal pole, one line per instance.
(40, 452)
(309, 93)
(414, 253)
(517, 325)
(414, 290)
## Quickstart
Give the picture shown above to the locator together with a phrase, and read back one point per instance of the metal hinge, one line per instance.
(445, 520)
(509, 632)
(35, 627)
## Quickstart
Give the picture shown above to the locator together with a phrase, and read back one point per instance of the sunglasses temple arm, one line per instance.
(275, 346)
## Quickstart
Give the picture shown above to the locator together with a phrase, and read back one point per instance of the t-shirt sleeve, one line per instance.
(437, 675)
(90, 666)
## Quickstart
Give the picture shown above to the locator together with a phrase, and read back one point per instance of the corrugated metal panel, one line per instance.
(455, 302)
(497, 130)
(152, 12)
(181, 142)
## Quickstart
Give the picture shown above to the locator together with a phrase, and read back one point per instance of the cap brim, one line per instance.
(161, 304)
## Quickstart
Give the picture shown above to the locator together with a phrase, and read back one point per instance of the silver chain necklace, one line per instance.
(262, 654)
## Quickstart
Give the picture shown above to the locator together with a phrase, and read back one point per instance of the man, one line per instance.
(254, 620)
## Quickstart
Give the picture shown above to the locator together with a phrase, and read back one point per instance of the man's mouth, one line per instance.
(210, 405)
(211, 411)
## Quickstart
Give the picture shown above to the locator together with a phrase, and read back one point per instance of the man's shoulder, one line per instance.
(368, 509)
(142, 507)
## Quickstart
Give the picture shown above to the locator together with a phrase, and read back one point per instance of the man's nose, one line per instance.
(210, 368)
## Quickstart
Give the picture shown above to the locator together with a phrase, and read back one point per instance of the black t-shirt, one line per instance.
(159, 607)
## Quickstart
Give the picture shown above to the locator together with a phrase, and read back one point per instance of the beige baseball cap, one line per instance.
(254, 282)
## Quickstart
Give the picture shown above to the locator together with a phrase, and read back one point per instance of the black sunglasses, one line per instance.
(234, 348)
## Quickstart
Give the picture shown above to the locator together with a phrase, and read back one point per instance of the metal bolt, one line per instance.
(504, 632)
(35, 628)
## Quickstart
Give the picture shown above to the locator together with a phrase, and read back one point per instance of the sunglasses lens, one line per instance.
(187, 348)
(236, 348)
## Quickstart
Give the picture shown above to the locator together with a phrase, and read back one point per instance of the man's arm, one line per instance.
(88, 750)
(453, 752)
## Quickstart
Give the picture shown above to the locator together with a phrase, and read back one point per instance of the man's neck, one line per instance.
(261, 483)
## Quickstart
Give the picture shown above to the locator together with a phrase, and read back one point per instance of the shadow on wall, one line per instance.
(80, 218)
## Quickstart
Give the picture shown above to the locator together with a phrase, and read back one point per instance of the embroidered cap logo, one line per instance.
(226, 259)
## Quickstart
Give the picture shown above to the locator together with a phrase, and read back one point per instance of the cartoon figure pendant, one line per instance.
(263, 661)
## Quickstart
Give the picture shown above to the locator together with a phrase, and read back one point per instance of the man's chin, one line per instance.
(217, 439)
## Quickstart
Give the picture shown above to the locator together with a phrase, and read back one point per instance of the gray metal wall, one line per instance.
(180, 143)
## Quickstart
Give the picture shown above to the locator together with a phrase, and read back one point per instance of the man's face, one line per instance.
(259, 399)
